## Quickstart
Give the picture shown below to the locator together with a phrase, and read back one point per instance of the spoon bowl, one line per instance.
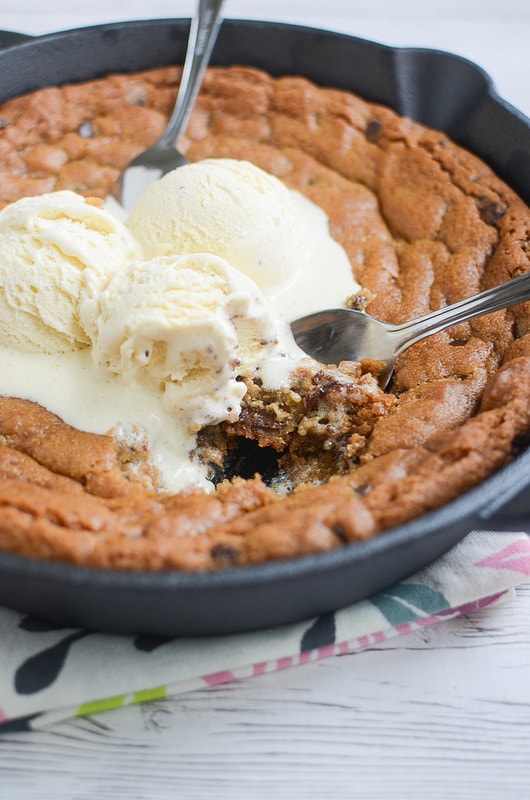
(163, 156)
(341, 334)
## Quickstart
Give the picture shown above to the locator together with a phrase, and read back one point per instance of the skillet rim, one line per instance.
(444, 526)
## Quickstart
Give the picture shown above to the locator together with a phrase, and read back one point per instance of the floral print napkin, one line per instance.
(48, 673)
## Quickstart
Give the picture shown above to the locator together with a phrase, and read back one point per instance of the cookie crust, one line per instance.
(424, 223)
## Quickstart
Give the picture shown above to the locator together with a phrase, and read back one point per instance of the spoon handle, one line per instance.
(203, 33)
(507, 294)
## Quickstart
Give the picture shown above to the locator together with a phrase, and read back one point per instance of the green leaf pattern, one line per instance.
(408, 602)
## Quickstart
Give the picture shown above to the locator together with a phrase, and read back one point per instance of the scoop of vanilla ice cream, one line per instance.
(50, 246)
(186, 326)
(230, 208)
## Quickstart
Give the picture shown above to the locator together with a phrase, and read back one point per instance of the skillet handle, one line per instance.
(11, 38)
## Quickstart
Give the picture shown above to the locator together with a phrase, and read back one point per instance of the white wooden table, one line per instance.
(440, 713)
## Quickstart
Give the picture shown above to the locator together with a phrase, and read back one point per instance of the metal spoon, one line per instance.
(341, 334)
(163, 156)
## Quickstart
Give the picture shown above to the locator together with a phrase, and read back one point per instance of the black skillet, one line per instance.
(437, 89)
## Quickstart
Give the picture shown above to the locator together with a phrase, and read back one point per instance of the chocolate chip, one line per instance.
(373, 130)
(358, 302)
(491, 212)
(4, 123)
(224, 553)
(522, 327)
(339, 532)
(458, 342)
(363, 489)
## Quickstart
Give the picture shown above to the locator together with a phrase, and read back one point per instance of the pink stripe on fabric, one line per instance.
(225, 676)
(345, 647)
(404, 628)
(515, 557)
(478, 605)
(424, 622)
(325, 652)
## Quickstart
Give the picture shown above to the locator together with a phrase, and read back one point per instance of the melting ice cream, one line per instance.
(149, 325)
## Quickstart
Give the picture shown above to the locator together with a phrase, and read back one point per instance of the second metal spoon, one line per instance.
(163, 156)
(341, 334)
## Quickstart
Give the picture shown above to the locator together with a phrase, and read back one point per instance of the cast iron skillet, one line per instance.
(437, 89)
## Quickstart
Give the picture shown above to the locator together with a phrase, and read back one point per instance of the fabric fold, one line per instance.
(50, 673)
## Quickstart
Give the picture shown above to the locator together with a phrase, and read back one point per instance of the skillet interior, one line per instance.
(436, 89)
